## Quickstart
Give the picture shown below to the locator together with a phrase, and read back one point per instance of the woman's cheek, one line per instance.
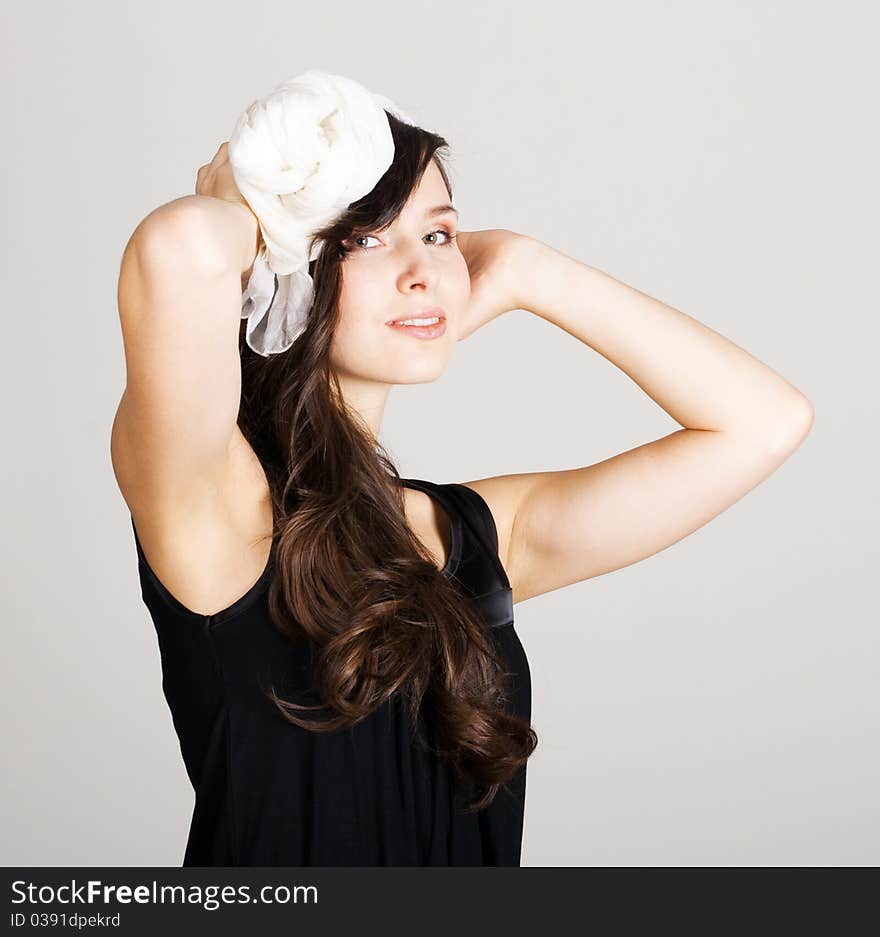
(464, 285)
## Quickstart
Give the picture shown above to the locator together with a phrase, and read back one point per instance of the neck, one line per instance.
(367, 399)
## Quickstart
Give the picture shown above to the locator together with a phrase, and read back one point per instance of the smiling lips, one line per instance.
(426, 323)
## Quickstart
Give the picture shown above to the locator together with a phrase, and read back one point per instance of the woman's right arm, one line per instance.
(179, 296)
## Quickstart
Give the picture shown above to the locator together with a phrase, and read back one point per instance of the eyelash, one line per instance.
(450, 239)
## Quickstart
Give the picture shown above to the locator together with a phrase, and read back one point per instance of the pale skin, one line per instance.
(201, 508)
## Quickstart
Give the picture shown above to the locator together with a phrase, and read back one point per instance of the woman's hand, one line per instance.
(496, 265)
(215, 180)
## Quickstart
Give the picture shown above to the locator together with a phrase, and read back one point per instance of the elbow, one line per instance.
(802, 419)
(791, 430)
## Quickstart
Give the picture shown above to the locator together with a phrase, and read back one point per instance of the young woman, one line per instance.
(337, 643)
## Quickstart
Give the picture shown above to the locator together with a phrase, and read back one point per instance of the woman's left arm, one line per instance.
(741, 422)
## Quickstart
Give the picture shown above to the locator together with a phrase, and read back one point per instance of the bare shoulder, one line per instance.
(210, 544)
(503, 494)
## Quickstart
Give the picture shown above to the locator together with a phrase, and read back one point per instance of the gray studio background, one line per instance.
(715, 704)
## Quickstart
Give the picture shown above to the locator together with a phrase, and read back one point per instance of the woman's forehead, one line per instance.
(429, 199)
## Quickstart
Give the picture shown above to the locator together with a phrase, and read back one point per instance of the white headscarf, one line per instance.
(300, 156)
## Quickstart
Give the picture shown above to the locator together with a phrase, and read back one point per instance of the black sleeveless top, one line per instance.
(269, 793)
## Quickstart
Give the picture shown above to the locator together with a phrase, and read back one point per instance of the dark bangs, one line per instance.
(414, 148)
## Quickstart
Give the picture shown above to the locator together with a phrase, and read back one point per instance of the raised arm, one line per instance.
(741, 422)
(179, 300)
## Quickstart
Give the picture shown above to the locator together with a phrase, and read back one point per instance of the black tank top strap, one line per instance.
(475, 539)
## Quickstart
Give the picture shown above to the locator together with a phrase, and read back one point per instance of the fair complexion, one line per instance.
(740, 419)
(413, 264)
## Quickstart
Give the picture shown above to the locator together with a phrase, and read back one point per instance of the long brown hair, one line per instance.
(350, 575)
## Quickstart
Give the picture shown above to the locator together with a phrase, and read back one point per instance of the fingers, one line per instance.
(218, 157)
(221, 156)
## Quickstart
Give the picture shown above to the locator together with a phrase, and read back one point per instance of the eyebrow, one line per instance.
(441, 210)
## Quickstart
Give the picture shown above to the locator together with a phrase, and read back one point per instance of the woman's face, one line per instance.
(400, 272)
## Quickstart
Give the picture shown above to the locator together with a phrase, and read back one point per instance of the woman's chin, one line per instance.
(424, 373)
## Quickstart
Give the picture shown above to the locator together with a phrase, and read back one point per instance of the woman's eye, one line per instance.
(362, 237)
(448, 235)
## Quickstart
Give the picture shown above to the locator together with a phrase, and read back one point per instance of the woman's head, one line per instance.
(411, 268)
(393, 253)
(351, 576)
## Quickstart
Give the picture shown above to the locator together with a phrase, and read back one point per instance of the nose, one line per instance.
(418, 272)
